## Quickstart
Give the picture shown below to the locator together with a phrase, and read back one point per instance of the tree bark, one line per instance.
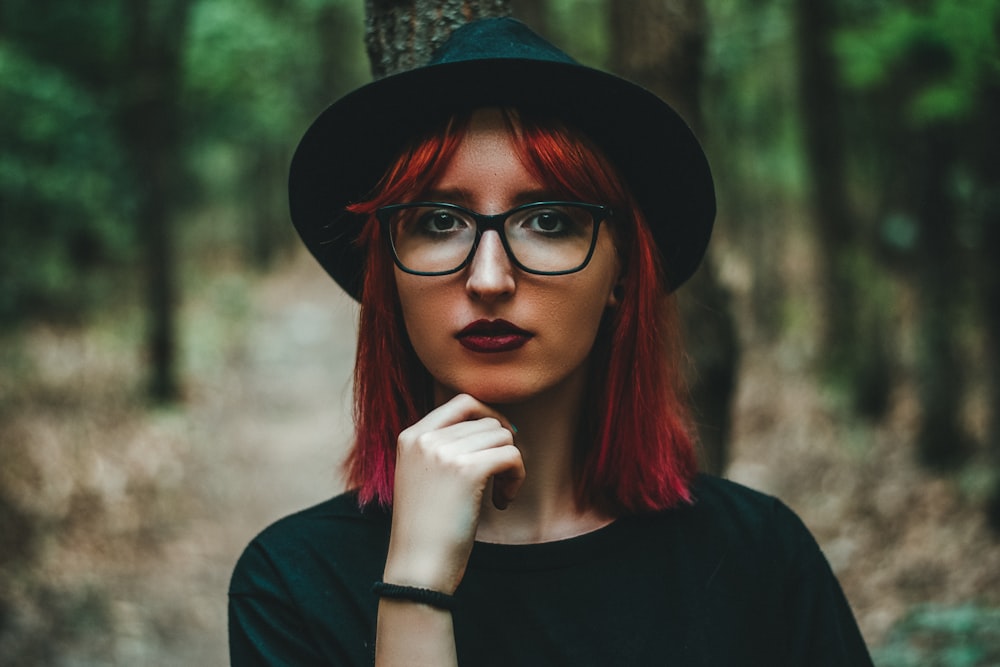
(534, 13)
(989, 279)
(660, 44)
(920, 180)
(265, 207)
(150, 124)
(853, 344)
(403, 34)
(989, 298)
(941, 441)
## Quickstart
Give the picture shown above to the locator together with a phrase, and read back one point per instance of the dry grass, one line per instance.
(897, 535)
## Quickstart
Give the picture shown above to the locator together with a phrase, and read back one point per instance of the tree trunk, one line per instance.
(941, 441)
(265, 207)
(989, 280)
(660, 44)
(150, 124)
(989, 300)
(403, 34)
(853, 344)
(534, 13)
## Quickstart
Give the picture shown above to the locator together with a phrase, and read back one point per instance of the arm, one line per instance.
(444, 464)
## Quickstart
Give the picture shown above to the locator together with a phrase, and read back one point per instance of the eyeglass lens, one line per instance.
(545, 238)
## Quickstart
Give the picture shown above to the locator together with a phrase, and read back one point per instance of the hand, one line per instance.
(444, 463)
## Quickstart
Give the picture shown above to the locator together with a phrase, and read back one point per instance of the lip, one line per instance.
(492, 336)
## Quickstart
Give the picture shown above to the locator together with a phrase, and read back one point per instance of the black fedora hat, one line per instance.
(499, 62)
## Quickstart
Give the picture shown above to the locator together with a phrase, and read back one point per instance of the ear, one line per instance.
(618, 288)
(615, 296)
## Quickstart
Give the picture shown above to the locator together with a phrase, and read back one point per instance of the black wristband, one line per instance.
(426, 596)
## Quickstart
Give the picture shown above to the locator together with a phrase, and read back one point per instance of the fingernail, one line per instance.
(513, 429)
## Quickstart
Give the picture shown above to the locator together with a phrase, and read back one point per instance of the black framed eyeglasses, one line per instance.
(548, 238)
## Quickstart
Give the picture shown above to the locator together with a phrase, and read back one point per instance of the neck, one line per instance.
(546, 506)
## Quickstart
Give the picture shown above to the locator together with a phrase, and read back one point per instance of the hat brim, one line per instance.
(347, 149)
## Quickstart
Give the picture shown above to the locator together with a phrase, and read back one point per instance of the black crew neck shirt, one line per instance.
(733, 579)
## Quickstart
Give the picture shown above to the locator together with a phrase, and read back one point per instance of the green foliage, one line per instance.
(83, 39)
(579, 26)
(931, 636)
(64, 194)
(953, 44)
(255, 72)
(249, 67)
(752, 116)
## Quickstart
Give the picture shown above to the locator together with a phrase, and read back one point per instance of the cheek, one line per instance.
(573, 316)
(588, 302)
(415, 307)
(573, 310)
(425, 317)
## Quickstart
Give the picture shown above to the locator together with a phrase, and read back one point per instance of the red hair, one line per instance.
(636, 451)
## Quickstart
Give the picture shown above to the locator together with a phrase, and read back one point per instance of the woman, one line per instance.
(523, 485)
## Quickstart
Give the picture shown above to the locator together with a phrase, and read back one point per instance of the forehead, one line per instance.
(487, 167)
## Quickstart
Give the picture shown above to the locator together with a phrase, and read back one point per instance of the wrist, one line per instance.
(422, 568)
(429, 576)
(412, 594)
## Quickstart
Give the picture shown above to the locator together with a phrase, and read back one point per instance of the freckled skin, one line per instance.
(563, 312)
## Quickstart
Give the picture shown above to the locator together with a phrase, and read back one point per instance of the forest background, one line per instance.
(174, 373)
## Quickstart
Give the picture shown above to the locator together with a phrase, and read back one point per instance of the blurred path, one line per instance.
(267, 436)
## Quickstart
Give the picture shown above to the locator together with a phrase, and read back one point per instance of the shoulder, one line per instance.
(732, 507)
(340, 513)
(765, 554)
(301, 591)
(747, 529)
(723, 494)
(334, 531)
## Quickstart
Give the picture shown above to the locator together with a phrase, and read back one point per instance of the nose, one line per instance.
(490, 274)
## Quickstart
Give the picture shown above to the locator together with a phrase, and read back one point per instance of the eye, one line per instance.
(552, 223)
(440, 221)
(547, 221)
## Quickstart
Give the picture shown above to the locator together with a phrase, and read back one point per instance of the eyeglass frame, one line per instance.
(484, 223)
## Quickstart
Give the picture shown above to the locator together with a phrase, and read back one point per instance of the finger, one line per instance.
(506, 466)
(465, 429)
(454, 441)
(467, 437)
(462, 407)
(503, 464)
(505, 489)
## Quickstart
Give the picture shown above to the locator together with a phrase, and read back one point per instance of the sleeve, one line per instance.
(822, 629)
(265, 627)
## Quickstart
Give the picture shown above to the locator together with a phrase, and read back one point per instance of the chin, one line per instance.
(489, 393)
(493, 397)
(495, 387)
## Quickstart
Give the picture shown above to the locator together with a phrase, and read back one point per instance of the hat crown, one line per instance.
(497, 38)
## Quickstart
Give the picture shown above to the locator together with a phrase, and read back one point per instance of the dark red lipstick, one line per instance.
(492, 336)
